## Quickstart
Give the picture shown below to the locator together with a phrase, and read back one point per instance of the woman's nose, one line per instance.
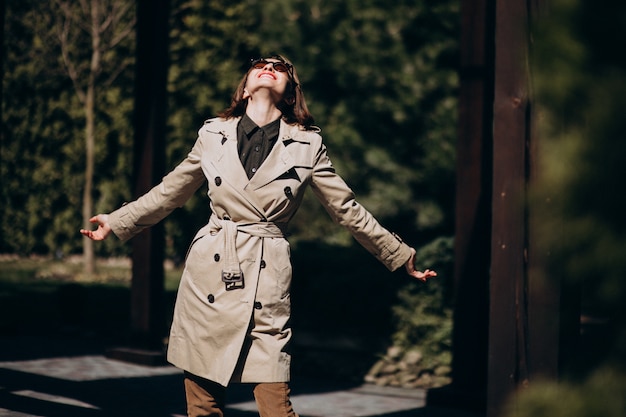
(268, 67)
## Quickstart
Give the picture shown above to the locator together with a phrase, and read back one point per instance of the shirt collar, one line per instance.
(271, 129)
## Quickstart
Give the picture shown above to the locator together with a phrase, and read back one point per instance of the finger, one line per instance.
(87, 233)
(93, 235)
(423, 276)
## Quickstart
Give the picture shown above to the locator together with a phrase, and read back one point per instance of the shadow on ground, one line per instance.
(71, 377)
(54, 339)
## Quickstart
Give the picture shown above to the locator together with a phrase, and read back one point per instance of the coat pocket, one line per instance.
(279, 270)
(204, 260)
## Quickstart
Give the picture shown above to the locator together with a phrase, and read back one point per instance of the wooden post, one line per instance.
(147, 291)
(509, 342)
(147, 322)
(533, 320)
(473, 212)
(511, 324)
(2, 24)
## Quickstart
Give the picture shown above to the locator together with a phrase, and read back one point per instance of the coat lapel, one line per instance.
(226, 157)
(226, 161)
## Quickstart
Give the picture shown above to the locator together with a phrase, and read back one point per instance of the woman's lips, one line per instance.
(267, 74)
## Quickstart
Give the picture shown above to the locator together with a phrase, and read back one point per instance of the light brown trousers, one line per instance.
(207, 399)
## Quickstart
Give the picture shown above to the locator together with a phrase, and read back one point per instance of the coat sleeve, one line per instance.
(173, 191)
(339, 201)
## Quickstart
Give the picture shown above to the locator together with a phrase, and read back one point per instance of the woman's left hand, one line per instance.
(410, 269)
(103, 229)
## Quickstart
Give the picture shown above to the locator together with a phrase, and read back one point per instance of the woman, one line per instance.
(231, 319)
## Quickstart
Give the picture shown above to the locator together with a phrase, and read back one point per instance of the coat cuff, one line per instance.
(396, 254)
(122, 224)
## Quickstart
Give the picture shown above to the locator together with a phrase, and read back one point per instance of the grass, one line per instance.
(46, 295)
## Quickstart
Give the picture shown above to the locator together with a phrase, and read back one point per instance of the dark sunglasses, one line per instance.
(278, 65)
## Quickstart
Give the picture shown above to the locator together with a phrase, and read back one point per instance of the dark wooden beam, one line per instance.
(508, 324)
(473, 211)
(147, 316)
(473, 200)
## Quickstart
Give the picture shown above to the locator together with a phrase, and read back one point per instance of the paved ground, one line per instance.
(46, 377)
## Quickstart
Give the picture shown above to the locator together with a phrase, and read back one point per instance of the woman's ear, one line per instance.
(246, 94)
(290, 100)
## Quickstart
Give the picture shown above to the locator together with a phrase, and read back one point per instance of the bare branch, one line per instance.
(96, 50)
(78, 19)
(118, 70)
(63, 30)
(84, 5)
(122, 35)
(115, 17)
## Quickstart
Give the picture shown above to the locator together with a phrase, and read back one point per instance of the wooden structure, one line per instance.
(511, 325)
(147, 318)
(147, 321)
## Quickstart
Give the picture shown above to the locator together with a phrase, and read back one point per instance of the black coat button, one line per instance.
(218, 181)
(216, 257)
(258, 305)
(211, 298)
(263, 264)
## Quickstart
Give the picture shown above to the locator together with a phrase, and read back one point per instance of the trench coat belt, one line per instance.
(230, 228)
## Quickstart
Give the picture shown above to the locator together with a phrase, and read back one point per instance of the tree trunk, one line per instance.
(88, 249)
(90, 140)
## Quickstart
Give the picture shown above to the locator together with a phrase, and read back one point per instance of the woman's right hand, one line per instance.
(103, 229)
(410, 269)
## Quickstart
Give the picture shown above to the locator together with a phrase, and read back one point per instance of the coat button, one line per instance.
(258, 305)
(216, 257)
(210, 298)
(218, 181)
(263, 264)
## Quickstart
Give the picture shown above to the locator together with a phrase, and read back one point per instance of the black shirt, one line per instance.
(254, 143)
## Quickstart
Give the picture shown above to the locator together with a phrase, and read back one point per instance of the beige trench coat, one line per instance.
(238, 331)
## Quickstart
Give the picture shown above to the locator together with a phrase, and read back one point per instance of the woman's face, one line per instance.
(269, 73)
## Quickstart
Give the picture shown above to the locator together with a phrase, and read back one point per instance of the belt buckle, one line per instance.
(233, 280)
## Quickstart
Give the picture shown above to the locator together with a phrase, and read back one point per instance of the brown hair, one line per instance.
(293, 106)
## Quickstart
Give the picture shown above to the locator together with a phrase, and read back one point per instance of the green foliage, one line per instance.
(423, 313)
(42, 294)
(380, 80)
(43, 149)
(583, 163)
(603, 394)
